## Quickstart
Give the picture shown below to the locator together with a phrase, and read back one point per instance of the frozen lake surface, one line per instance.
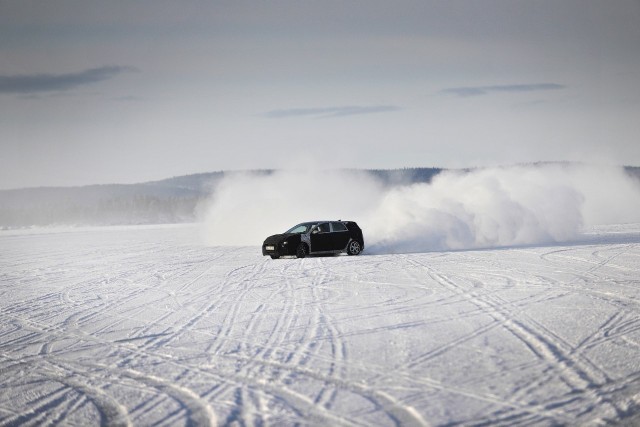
(144, 326)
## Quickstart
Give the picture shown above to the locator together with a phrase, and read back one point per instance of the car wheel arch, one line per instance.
(302, 250)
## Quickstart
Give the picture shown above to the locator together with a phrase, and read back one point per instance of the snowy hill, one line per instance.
(167, 201)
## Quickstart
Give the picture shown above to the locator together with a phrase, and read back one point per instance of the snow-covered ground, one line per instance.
(142, 325)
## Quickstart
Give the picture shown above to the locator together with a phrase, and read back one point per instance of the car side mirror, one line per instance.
(316, 230)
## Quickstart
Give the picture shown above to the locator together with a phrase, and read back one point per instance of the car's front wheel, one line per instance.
(301, 251)
(275, 256)
(354, 248)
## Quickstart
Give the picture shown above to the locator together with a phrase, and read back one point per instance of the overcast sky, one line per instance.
(119, 91)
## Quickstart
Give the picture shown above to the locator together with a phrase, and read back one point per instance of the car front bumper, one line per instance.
(278, 249)
(270, 250)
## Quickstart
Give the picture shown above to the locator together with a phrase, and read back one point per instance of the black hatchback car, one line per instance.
(316, 238)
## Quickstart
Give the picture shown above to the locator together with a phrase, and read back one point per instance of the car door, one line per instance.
(321, 238)
(339, 235)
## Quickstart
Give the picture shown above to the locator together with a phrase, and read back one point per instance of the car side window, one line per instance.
(338, 226)
(324, 227)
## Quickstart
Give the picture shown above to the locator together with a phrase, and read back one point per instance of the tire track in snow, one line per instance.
(252, 365)
(291, 366)
(172, 334)
(282, 348)
(233, 301)
(249, 403)
(111, 412)
(46, 407)
(593, 265)
(407, 370)
(338, 366)
(244, 397)
(581, 376)
(67, 331)
(292, 357)
(394, 409)
(619, 326)
(227, 299)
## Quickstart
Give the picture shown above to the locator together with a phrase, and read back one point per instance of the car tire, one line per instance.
(301, 251)
(275, 256)
(354, 247)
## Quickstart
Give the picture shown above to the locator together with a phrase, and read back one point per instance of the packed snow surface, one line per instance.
(142, 326)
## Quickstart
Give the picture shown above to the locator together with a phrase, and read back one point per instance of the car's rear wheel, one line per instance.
(301, 251)
(354, 247)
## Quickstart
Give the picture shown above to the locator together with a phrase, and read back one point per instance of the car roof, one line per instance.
(324, 220)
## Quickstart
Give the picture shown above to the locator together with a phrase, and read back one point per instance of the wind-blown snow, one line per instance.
(484, 208)
(140, 326)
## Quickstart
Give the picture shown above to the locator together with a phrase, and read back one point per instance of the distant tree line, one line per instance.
(168, 201)
(138, 209)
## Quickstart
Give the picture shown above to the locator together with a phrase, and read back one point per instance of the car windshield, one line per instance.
(300, 228)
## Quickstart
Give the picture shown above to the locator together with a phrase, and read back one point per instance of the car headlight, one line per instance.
(285, 243)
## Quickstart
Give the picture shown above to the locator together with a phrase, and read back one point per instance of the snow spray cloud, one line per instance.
(245, 208)
(503, 206)
(482, 208)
